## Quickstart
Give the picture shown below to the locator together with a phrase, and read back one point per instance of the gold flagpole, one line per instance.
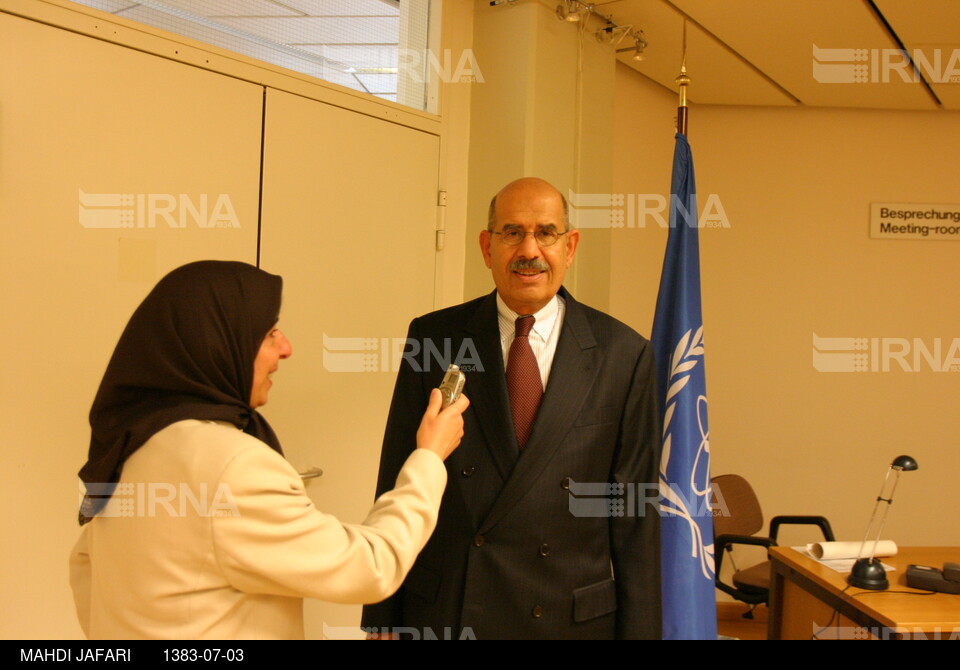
(683, 81)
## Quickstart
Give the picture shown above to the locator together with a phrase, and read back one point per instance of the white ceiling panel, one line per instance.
(932, 28)
(824, 53)
(318, 30)
(812, 48)
(232, 7)
(345, 7)
(711, 65)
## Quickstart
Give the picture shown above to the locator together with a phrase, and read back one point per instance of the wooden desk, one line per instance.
(805, 595)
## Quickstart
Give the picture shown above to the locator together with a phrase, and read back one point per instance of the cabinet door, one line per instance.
(349, 213)
(94, 136)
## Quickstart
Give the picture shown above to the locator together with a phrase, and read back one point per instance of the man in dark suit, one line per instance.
(548, 526)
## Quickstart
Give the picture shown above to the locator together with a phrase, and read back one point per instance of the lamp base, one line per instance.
(868, 573)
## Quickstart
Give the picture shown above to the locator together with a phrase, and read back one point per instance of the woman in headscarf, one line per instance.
(198, 527)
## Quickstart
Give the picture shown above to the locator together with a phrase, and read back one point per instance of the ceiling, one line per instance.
(821, 53)
(353, 43)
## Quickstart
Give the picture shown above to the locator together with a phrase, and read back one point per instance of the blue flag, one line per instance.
(686, 529)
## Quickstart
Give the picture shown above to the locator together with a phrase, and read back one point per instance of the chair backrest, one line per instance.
(735, 507)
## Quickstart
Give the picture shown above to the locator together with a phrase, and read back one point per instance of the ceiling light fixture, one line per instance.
(611, 33)
(571, 10)
(638, 48)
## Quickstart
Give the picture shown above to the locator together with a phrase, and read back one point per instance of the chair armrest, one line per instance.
(820, 521)
(722, 543)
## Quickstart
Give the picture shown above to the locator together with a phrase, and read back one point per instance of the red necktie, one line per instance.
(523, 381)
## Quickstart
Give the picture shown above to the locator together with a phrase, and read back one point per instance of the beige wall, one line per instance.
(644, 126)
(457, 35)
(796, 260)
(68, 289)
(543, 110)
(796, 185)
(171, 116)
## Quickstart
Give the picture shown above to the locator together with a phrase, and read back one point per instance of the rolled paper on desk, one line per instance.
(828, 551)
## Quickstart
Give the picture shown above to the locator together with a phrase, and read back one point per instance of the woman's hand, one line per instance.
(440, 431)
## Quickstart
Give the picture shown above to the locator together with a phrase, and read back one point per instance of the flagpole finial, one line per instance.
(683, 80)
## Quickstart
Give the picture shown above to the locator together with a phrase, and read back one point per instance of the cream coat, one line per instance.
(211, 535)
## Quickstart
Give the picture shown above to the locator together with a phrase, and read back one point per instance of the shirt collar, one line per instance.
(544, 320)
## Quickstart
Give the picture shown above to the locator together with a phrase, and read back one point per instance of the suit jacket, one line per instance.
(210, 535)
(522, 548)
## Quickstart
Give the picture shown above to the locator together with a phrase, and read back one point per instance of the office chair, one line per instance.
(743, 519)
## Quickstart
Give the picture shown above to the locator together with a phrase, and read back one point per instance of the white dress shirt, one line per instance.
(548, 323)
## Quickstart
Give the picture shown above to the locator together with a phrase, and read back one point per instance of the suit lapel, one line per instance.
(487, 389)
(571, 379)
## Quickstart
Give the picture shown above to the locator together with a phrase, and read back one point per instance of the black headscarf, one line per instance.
(187, 353)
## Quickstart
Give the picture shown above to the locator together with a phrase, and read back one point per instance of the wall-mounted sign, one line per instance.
(913, 221)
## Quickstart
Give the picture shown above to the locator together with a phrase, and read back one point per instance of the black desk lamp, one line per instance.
(868, 573)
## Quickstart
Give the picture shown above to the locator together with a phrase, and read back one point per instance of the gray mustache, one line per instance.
(522, 264)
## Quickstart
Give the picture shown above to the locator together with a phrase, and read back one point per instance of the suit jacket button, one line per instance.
(478, 541)
(544, 549)
(537, 612)
(565, 484)
(467, 471)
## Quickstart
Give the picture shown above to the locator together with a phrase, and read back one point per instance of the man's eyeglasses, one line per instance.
(545, 237)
